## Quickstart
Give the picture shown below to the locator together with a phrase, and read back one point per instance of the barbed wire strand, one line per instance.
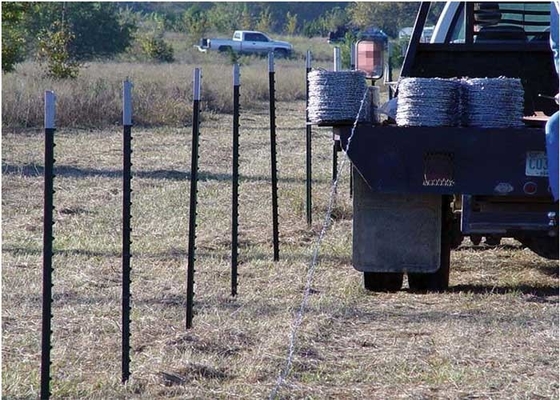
(313, 266)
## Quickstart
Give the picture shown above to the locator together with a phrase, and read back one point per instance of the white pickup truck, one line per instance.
(247, 42)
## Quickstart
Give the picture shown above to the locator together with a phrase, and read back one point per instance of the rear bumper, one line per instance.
(493, 215)
(446, 160)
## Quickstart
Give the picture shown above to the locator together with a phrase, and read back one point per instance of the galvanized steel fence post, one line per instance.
(235, 182)
(336, 140)
(126, 255)
(389, 77)
(273, 156)
(193, 197)
(352, 67)
(48, 238)
(337, 65)
(308, 173)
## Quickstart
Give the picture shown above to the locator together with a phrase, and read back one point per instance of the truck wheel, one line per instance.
(383, 281)
(224, 49)
(281, 53)
(543, 245)
(437, 281)
(434, 282)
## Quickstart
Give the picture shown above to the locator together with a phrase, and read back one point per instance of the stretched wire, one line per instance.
(313, 265)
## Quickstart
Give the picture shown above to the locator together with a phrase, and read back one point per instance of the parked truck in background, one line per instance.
(247, 42)
(419, 190)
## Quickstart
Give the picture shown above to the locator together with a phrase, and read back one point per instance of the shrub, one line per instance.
(157, 49)
(54, 50)
(13, 41)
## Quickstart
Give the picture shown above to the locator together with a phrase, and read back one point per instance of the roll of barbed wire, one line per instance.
(336, 97)
(428, 102)
(493, 102)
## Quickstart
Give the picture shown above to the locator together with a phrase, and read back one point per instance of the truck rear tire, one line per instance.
(224, 49)
(434, 282)
(383, 281)
(543, 245)
(438, 281)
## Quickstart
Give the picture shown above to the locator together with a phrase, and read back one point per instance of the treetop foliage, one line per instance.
(104, 29)
(308, 18)
(92, 29)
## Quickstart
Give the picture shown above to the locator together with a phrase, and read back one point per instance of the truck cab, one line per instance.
(419, 190)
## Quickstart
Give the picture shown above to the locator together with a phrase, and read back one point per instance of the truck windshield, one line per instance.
(496, 22)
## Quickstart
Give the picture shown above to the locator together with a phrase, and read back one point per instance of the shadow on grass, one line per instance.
(66, 252)
(538, 291)
(33, 170)
(548, 270)
(484, 247)
(221, 255)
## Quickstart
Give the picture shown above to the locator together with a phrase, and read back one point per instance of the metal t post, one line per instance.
(48, 222)
(336, 139)
(126, 270)
(193, 197)
(235, 182)
(308, 167)
(273, 156)
(353, 68)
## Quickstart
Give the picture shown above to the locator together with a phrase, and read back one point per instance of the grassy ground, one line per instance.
(162, 93)
(493, 335)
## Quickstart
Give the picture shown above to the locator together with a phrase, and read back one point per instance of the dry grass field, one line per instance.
(493, 335)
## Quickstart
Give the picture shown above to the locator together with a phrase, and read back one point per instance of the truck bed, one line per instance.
(446, 160)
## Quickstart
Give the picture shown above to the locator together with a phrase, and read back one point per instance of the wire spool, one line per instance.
(428, 102)
(493, 102)
(336, 97)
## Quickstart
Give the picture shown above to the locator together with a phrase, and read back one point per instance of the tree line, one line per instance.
(65, 34)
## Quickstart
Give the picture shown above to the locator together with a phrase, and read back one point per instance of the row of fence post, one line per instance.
(48, 221)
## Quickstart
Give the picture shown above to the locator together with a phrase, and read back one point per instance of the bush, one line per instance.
(100, 29)
(54, 50)
(157, 49)
(12, 50)
(13, 36)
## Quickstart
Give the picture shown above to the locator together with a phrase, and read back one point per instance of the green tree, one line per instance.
(152, 43)
(225, 17)
(264, 23)
(246, 21)
(291, 23)
(54, 45)
(13, 34)
(334, 18)
(314, 28)
(98, 28)
(156, 48)
(390, 17)
(346, 48)
(195, 23)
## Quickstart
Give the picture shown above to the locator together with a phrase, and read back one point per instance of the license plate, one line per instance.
(536, 164)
